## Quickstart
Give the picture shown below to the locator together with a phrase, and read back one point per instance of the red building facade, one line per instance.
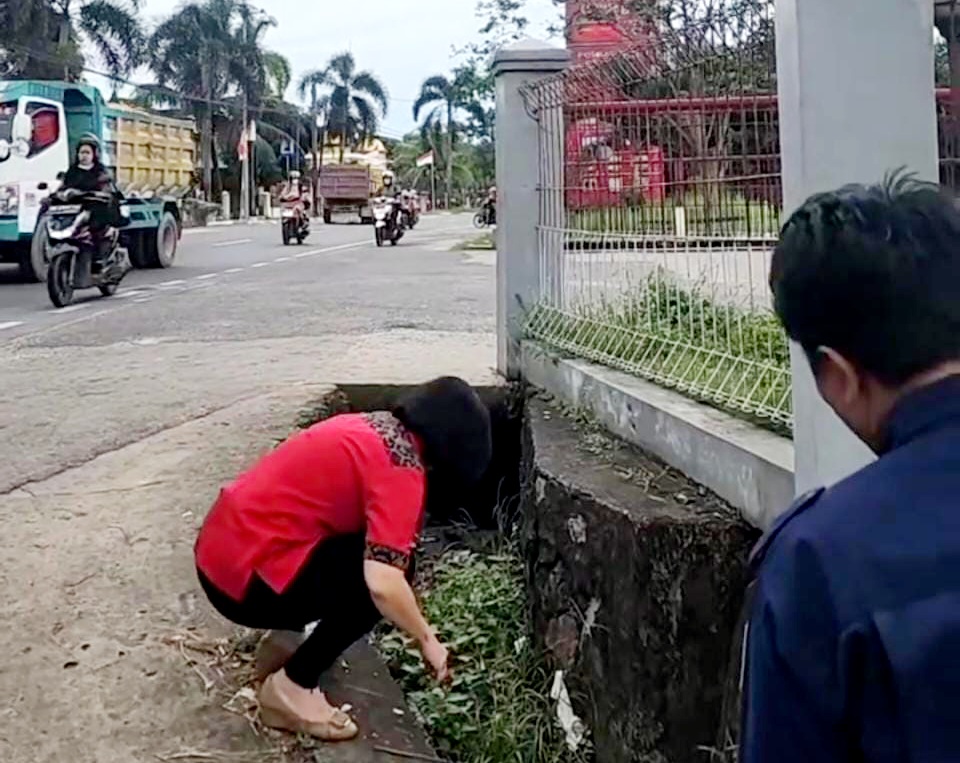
(596, 28)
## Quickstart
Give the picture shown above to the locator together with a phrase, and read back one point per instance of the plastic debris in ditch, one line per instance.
(572, 726)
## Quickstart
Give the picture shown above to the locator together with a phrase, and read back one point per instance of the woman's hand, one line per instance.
(393, 596)
(436, 656)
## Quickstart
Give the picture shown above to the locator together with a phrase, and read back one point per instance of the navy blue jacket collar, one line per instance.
(928, 408)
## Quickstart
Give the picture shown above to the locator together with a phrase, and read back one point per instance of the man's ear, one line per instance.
(837, 378)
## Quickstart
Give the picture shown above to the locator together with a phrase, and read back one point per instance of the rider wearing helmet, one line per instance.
(294, 190)
(87, 174)
(389, 187)
(389, 190)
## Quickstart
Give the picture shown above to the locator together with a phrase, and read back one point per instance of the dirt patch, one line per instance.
(230, 674)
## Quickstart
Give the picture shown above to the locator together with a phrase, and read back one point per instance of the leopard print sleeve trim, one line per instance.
(398, 441)
(376, 552)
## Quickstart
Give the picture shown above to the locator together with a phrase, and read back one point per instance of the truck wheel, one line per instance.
(160, 248)
(33, 258)
(136, 246)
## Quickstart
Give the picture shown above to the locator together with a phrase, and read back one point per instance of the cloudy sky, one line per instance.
(402, 41)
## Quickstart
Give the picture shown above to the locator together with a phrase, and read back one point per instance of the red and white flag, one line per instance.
(426, 160)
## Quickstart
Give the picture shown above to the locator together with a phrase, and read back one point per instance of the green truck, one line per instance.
(151, 157)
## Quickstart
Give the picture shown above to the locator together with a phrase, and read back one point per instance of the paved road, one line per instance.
(237, 315)
(337, 267)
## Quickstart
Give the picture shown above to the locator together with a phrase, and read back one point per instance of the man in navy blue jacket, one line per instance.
(853, 640)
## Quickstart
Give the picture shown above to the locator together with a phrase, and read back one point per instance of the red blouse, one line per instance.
(349, 474)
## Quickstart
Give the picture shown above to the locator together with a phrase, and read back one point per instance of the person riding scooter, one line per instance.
(294, 193)
(490, 206)
(88, 175)
(388, 190)
(406, 209)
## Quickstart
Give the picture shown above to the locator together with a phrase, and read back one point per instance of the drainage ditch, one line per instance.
(581, 567)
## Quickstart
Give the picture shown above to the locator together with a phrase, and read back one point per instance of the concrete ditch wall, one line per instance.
(750, 468)
(635, 579)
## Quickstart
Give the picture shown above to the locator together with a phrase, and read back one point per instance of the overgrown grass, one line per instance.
(736, 359)
(497, 709)
(725, 214)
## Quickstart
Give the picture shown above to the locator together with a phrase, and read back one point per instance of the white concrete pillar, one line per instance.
(856, 91)
(518, 156)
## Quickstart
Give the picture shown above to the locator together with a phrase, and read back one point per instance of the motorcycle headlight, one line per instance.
(9, 199)
(59, 223)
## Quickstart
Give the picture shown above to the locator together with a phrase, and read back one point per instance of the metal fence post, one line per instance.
(518, 156)
(851, 110)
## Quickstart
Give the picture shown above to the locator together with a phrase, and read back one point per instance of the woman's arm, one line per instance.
(394, 598)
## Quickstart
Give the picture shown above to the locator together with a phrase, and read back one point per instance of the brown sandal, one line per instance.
(276, 714)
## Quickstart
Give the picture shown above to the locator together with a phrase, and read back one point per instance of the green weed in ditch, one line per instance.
(497, 709)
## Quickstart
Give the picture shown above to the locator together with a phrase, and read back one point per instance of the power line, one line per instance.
(147, 86)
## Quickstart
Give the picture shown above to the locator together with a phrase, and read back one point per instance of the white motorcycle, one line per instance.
(386, 221)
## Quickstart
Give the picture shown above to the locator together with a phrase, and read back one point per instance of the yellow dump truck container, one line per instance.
(149, 153)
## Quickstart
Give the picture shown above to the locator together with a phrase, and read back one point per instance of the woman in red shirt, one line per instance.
(324, 529)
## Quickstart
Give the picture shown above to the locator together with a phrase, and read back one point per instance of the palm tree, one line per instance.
(278, 73)
(249, 60)
(446, 96)
(44, 38)
(26, 48)
(206, 55)
(355, 100)
(190, 56)
(314, 82)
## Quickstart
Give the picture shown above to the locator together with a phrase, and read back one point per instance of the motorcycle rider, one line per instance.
(406, 208)
(388, 190)
(293, 191)
(490, 206)
(88, 175)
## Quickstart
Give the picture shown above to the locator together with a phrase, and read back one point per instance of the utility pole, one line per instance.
(252, 187)
(244, 160)
(315, 164)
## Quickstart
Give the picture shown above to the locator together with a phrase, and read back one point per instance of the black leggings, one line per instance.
(330, 588)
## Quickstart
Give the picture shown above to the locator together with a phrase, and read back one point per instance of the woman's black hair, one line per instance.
(453, 424)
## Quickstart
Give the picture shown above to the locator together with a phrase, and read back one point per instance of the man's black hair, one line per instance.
(873, 273)
(454, 426)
